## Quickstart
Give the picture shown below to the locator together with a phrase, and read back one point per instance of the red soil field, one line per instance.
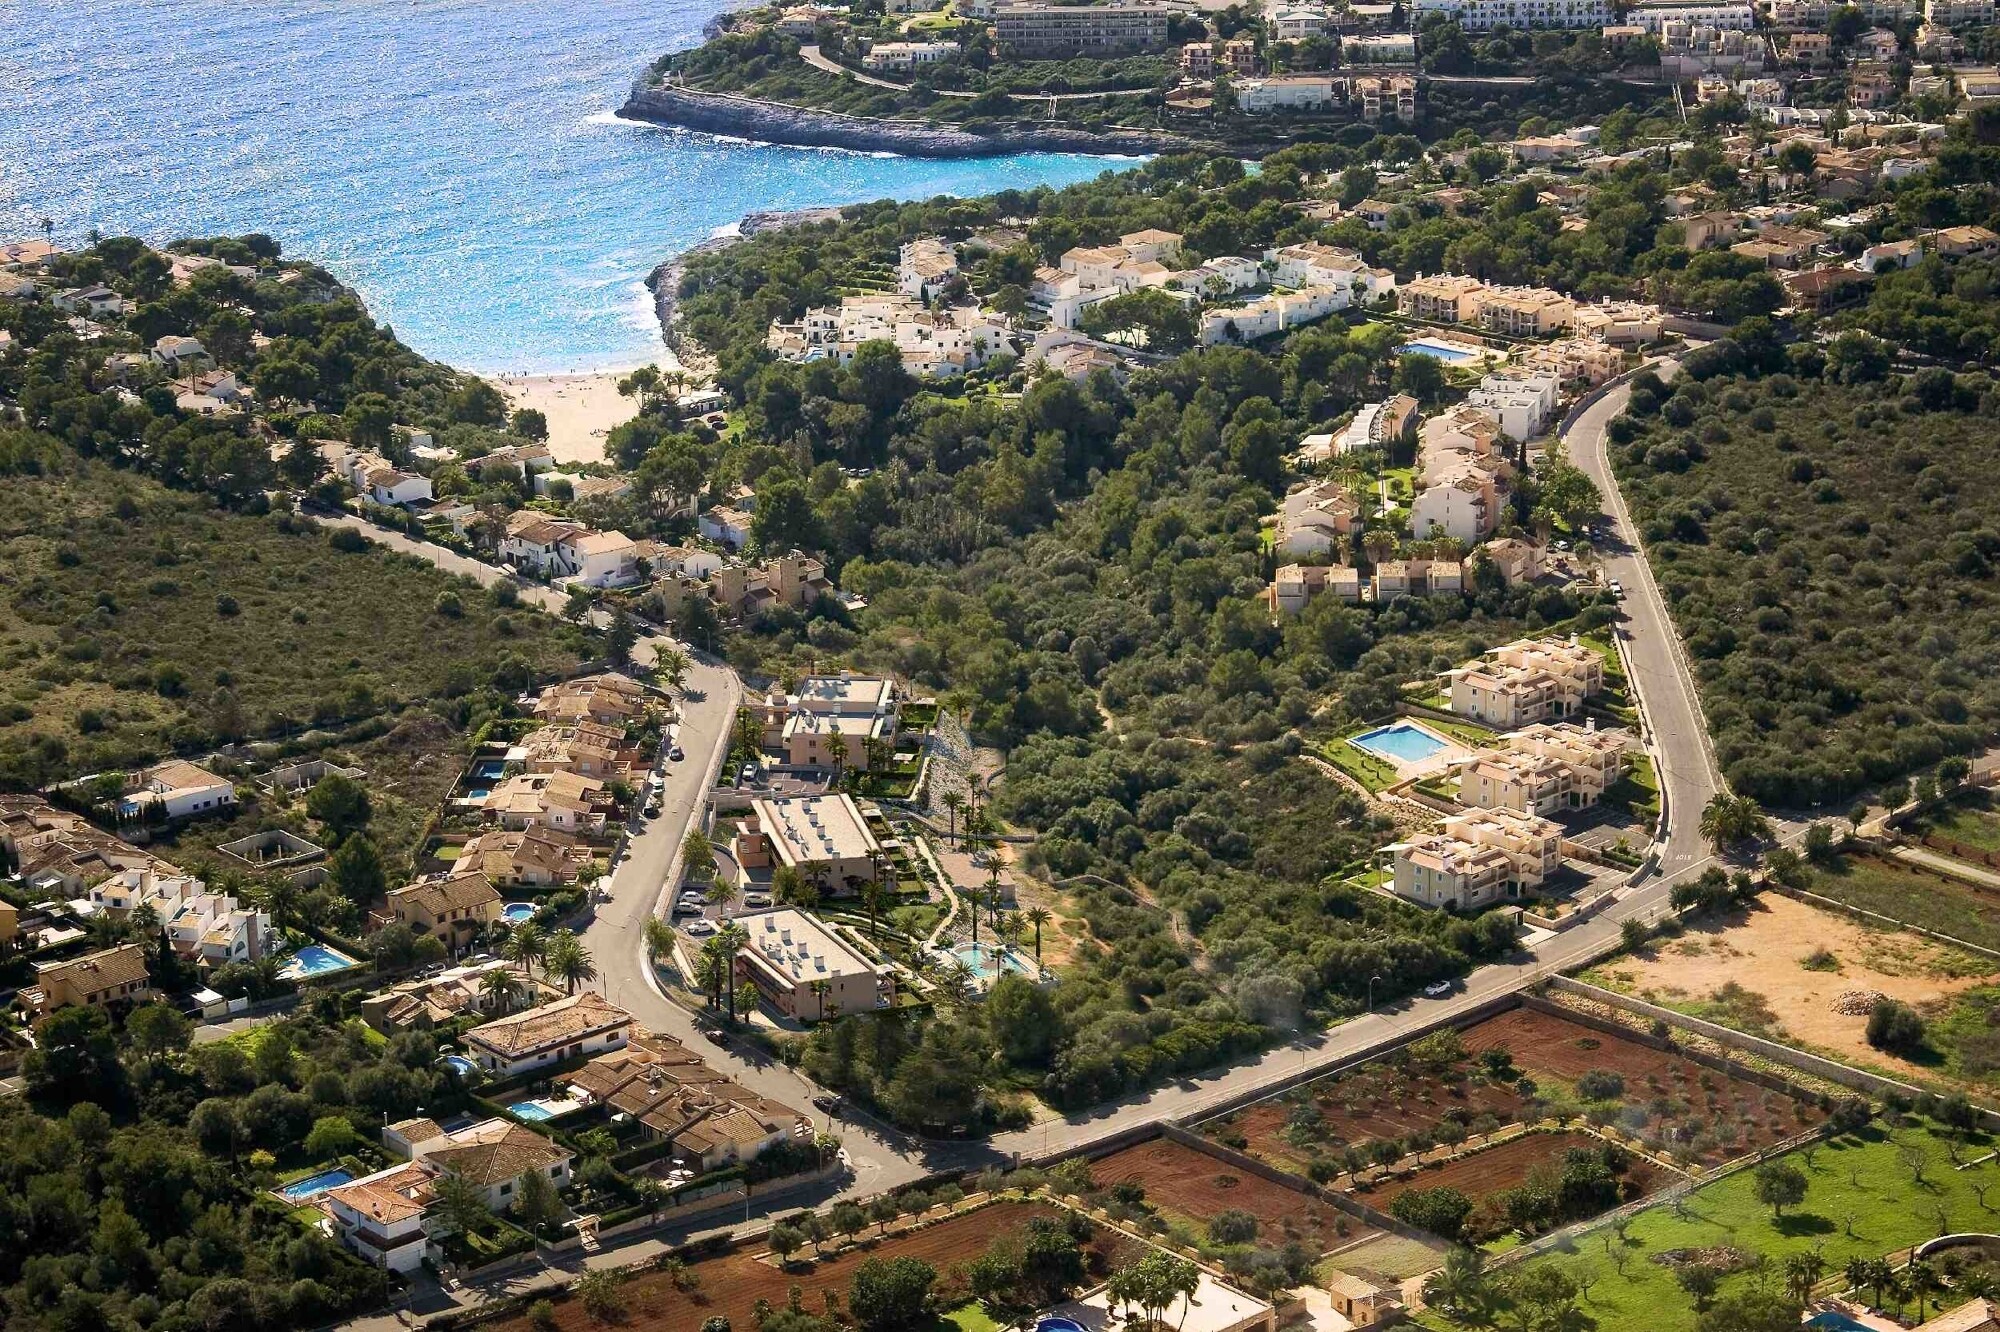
(1191, 1184)
(1549, 1047)
(1486, 1172)
(732, 1284)
(1373, 1102)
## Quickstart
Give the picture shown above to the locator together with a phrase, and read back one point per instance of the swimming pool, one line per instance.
(299, 1190)
(988, 961)
(1451, 353)
(315, 960)
(459, 1064)
(543, 1108)
(1833, 1320)
(516, 912)
(1400, 742)
(491, 770)
(1059, 1325)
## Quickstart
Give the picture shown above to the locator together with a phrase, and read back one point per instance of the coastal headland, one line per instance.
(802, 127)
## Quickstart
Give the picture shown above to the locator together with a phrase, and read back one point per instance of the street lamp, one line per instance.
(1371, 992)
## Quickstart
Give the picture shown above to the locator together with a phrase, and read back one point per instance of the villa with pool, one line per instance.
(579, 1024)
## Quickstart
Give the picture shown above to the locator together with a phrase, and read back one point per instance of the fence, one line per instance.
(1868, 1083)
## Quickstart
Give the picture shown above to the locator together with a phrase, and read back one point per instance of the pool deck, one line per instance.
(1452, 751)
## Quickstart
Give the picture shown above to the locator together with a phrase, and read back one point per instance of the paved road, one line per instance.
(819, 60)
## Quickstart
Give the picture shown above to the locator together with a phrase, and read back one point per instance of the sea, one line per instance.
(460, 163)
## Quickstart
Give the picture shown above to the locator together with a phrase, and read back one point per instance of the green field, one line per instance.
(1862, 1202)
(1970, 820)
(135, 620)
(1914, 896)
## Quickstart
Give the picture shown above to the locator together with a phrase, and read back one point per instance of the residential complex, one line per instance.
(1526, 681)
(831, 721)
(710, 1122)
(824, 837)
(1481, 857)
(1482, 15)
(931, 342)
(1058, 32)
(1544, 770)
(804, 970)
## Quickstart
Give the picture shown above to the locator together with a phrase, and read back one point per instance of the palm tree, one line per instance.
(874, 899)
(659, 938)
(836, 749)
(1461, 1287)
(1802, 1273)
(670, 664)
(569, 960)
(499, 988)
(955, 983)
(712, 971)
(1728, 820)
(1037, 916)
(730, 938)
(954, 801)
(526, 946)
(1921, 1278)
(722, 892)
(820, 990)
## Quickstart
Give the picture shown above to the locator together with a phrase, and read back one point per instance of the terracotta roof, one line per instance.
(437, 896)
(394, 1195)
(180, 775)
(95, 972)
(495, 1152)
(559, 1023)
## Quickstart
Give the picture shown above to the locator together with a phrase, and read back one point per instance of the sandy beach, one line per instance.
(582, 409)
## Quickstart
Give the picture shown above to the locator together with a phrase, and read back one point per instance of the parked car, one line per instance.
(1438, 989)
(756, 899)
(653, 808)
(748, 775)
(675, 755)
(700, 928)
(1617, 588)
(827, 1103)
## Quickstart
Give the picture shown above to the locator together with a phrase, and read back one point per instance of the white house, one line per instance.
(925, 267)
(582, 1024)
(727, 524)
(91, 301)
(176, 352)
(1284, 92)
(381, 1216)
(599, 559)
(179, 789)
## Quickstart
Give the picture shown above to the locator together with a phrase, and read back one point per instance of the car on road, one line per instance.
(747, 775)
(676, 754)
(827, 1103)
(1437, 989)
(756, 899)
(1617, 588)
(653, 808)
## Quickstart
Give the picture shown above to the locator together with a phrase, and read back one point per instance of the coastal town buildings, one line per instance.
(580, 1024)
(824, 838)
(1529, 680)
(1061, 32)
(804, 970)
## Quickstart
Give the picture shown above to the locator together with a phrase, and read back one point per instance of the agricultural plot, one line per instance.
(1403, 1105)
(1914, 896)
(730, 1286)
(1182, 1182)
(1667, 1101)
(1485, 1173)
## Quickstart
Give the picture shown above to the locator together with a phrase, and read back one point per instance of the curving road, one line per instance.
(1661, 683)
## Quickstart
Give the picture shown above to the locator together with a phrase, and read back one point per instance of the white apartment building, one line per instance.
(1295, 25)
(1388, 48)
(1284, 92)
(1045, 32)
(904, 56)
(1272, 314)
(1959, 13)
(1316, 519)
(925, 267)
(1312, 264)
(1464, 503)
(1721, 15)
(1521, 401)
(1464, 434)
(1485, 15)
(1529, 680)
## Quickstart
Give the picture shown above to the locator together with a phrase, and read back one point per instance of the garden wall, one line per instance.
(1862, 913)
(1741, 1072)
(1868, 1083)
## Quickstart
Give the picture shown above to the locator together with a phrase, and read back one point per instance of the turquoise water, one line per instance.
(459, 1064)
(1440, 350)
(1401, 741)
(986, 961)
(312, 1185)
(516, 912)
(315, 960)
(457, 161)
(539, 1111)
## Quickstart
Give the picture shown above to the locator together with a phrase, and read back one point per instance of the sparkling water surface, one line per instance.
(458, 162)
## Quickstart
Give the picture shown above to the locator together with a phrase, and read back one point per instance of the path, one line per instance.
(819, 60)
(1957, 869)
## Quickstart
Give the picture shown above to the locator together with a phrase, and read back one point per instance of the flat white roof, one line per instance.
(800, 947)
(845, 693)
(808, 828)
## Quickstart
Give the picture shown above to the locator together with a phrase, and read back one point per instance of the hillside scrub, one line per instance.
(1824, 533)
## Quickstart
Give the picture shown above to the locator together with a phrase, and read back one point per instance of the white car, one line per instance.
(1617, 588)
(1437, 989)
(700, 928)
(756, 899)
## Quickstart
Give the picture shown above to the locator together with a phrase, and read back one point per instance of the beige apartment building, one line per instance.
(1596, 760)
(1041, 31)
(1526, 681)
(825, 838)
(1526, 312)
(1450, 298)
(805, 971)
(1481, 857)
(1296, 584)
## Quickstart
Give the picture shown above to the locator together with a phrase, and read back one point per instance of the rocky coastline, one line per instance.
(802, 127)
(665, 279)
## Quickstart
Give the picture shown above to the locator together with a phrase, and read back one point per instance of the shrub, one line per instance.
(1896, 1027)
(1233, 1227)
(1600, 1085)
(542, 1316)
(1442, 1210)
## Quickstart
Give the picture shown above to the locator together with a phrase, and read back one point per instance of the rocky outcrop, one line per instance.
(777, 122)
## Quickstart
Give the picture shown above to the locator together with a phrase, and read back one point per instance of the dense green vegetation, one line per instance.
(132, 1187)
(155, 602)
(1820, 529)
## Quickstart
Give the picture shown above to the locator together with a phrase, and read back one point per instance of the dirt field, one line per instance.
(1374, 1101)
(730, 1286)
(1488, 1172)
(1688, 1108)
(1187, 1183)
(1762, 952)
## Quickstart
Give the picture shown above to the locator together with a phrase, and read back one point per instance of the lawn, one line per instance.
(1970, 820)
(1862, 1201)
(135, 620)
(1638, 791)
(1373, 773)
(1913, 896)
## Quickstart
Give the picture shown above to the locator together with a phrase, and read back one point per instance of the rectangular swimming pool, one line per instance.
(1451, 353)
(1400, 742)
(301, 1190)
(315, 960)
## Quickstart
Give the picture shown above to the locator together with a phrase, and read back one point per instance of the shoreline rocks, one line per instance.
(802, 127)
